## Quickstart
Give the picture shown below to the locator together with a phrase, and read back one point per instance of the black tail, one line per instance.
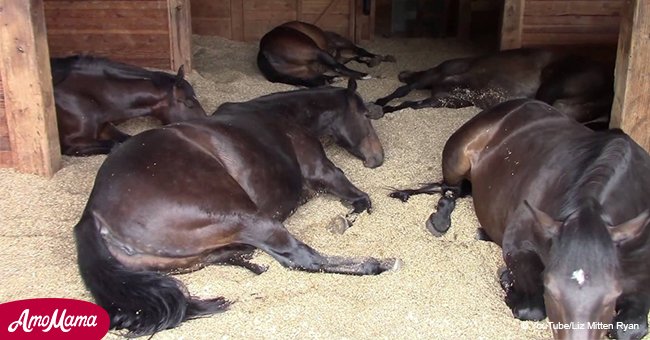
(143, 302)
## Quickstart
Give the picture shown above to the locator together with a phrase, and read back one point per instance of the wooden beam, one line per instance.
(464, 19)
(632, 76)
(511, 24)
(237, 19)
(180, 34)
(27, 82)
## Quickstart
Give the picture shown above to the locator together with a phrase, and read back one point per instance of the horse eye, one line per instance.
(189, 103)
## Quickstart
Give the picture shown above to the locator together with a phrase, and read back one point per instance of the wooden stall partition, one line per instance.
(249, 20)
(529, 23)
(631, 109)
(151, 33)
(28, 132)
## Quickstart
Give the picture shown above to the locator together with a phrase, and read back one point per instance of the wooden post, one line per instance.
(512, 24)
(180, 34)
(464, 19)
(27, 82)
(630, 111)
(237, 19)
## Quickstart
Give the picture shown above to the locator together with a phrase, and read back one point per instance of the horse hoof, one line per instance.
(338, 225)
(400, 195)
(390, 265)
(437, 225)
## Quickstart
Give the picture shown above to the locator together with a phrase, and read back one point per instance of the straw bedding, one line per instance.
(446, 287)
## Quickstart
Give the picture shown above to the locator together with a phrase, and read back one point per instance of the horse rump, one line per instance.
(143, 302)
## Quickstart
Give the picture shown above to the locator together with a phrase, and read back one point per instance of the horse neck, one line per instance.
(151, 100)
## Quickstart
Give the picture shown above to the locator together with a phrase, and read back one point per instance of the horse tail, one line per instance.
(143, 302)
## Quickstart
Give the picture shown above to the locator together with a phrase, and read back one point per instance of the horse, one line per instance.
(209, 191)
(299, 53)
(568, 205)
(93, 94)
(581, 87)
(308, 106)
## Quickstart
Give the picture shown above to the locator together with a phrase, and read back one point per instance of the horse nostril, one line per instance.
(373, 162)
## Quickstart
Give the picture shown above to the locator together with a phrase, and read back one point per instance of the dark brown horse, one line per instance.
(308, 107)
(570, 208)
(93, 94)
(578, 86)
(209, 191)
(299, 53)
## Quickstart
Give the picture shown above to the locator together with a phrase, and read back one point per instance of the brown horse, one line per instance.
(578, 86)
(299, 53)
(570, 209)
(309, 106)
(93, 94)
(208, 191)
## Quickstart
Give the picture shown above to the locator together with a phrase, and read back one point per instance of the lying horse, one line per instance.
(308, 106)
(570, 208)
(299, 53)
(203, 192)
(91, 95)
(578, 86)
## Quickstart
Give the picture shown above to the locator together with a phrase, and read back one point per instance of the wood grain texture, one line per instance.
(27, 84)
(180, 34)
(512, 24)
(632, 84)
(136, 32)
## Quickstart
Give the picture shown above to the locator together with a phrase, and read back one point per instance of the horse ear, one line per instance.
(545, 226)
(352, 85)
(630, 229)
(180, 75)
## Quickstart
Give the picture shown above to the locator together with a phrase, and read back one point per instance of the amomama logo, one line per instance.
(51, 318)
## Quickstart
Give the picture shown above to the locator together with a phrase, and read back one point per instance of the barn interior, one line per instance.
(445, 287)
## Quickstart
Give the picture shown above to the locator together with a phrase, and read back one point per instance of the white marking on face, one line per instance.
(579, 276)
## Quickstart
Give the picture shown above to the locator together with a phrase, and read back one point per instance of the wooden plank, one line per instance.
(211, 9)
(545, 39)
(27, 83)
(511, 24)
(577, 20)
(352, 21)
(106, 5)
(6, 159)
(566, 7)
(632, 79)
(212, 26)
(237, 17)
(325, 11)
(180, 34)
(567, 28)
(464, 18)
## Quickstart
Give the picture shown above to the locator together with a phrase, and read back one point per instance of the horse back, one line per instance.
(313, 32)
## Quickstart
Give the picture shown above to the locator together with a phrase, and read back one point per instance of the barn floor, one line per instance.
(446, 288)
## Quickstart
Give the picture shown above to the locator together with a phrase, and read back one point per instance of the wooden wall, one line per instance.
(560, 22)
(142, 32)
(5, 145)
(249, 20)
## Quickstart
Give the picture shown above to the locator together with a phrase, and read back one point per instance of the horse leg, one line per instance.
(414, 81)
(109, 131)
(522, 282)
(88, 148)
(630, 310)
(327, 60)
(448, 102)
(236, 255)
(321, 174)
(271, 237)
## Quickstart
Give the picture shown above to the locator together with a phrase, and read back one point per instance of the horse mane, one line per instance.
(604, 165)
(584, 235)
(104, 67)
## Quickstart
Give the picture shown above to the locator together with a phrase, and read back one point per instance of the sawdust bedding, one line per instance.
(446, 288)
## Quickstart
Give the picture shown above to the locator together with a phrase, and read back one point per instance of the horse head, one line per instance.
(182, 102)
(351, 129)
(582, 276)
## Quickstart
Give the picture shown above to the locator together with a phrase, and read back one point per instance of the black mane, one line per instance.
(98, 66)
